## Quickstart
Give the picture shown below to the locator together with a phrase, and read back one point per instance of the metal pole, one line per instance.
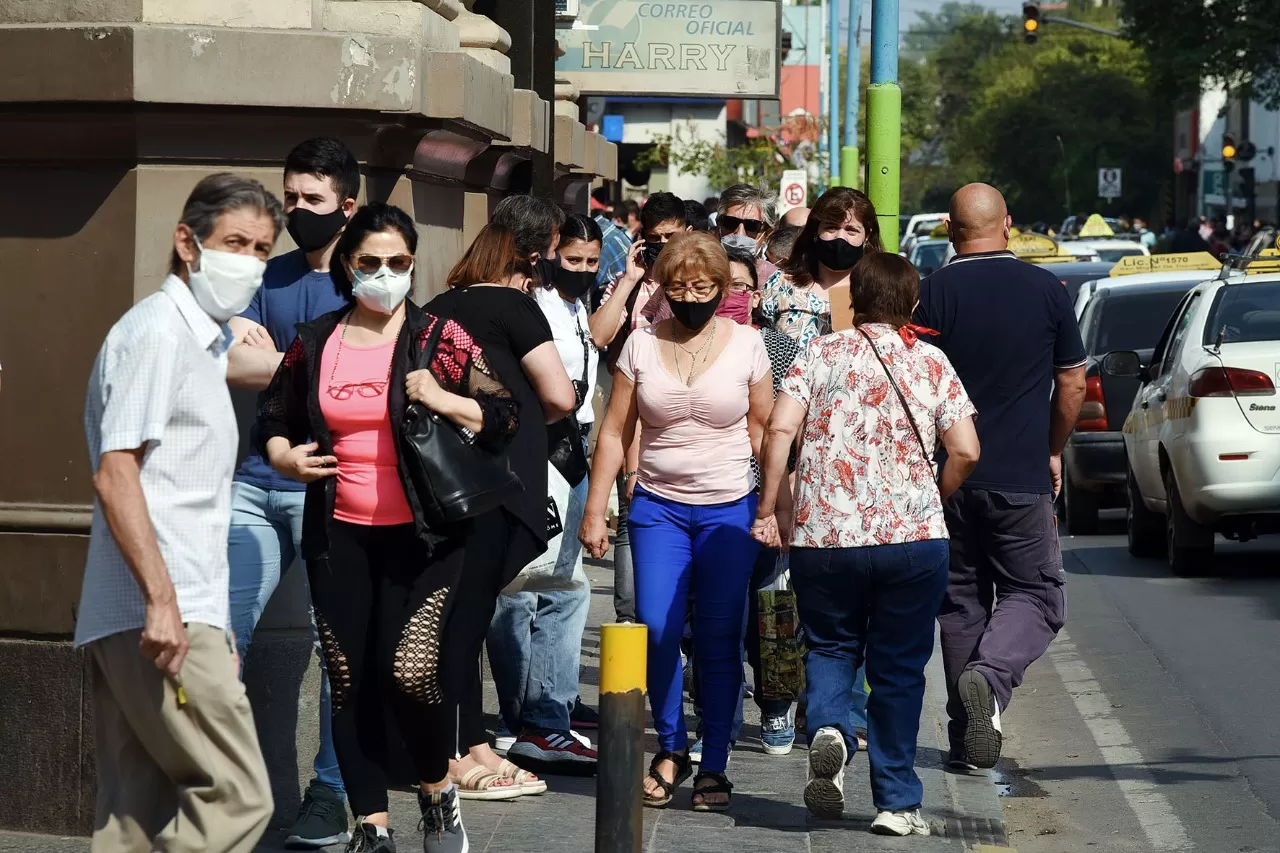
(823, 82)
(1066, 175)
(884, 121)
(620, 767)
(833, 92)
(1081, 25)
(849, 171)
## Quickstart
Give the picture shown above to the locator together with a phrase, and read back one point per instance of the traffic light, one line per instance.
(1228, 147)
(1031, 21)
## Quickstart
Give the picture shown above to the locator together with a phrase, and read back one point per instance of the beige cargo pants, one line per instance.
(175, 779)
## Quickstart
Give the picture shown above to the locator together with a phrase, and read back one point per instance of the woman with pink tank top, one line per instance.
(380, 575)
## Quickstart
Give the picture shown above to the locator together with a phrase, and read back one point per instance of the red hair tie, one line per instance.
(909, 331)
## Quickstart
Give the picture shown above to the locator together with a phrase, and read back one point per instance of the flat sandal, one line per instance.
(683, 769)
(722, 786)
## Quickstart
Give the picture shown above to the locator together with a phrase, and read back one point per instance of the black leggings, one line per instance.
(384, 611)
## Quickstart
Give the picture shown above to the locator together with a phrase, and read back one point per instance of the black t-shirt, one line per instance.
(509, 325)
(1005, 325)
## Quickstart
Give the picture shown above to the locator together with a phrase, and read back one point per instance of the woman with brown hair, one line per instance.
(488, 295)
(841, 228)
(700, 386)
(869, 555)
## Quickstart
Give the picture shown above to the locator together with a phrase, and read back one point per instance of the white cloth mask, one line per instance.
(382, 291)
(741, 242)
(226, 282)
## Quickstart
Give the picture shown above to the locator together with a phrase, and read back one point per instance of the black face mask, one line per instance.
(572, 285)
(694, 315)
(838, 254)
(545, 269)
(651, 252)
(312, 231)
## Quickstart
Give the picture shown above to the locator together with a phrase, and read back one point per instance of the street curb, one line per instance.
(977, 817)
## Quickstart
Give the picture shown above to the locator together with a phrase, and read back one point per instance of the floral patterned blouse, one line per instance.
(800, 313)
(862, 477)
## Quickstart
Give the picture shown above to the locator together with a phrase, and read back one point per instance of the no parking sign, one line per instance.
(794, 190)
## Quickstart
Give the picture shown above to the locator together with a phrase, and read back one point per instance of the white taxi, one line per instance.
(1202, 437)
(1150, 269)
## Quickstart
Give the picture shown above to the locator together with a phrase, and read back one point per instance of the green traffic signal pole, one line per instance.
(884, 121)
(849, 165)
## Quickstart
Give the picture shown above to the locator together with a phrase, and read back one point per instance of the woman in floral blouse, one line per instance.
(869, 555)
(842, 227)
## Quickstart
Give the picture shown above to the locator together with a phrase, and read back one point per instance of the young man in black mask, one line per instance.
(321, 182)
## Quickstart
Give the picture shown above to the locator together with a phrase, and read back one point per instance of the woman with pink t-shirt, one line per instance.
(381, 575)
(701, 387)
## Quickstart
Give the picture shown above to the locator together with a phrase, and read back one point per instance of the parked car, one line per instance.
(1111, 249)
(926, 255)
(1075, 273)
(1202, 439)
(1118, 318)
(1191, 268)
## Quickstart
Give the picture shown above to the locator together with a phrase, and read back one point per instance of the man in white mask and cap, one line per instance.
(179, 766)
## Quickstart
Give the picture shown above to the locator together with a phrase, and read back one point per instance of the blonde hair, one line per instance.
(694, 254)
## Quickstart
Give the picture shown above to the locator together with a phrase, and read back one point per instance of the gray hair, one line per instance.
(218, 194)
(532, 220)
(753, 196)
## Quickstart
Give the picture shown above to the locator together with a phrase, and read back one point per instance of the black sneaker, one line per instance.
(371, 839)
(441, 825)
(584, 716)
(982, 736)
(321, 821)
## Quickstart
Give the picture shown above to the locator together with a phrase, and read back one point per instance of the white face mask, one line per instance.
(383, 291)
(739, 241)
(225, 283)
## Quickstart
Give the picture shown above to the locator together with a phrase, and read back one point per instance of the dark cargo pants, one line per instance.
(1005, 597)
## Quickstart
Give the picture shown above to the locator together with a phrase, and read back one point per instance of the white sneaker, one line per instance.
(824, 792)
(899, 823)
(503, 740)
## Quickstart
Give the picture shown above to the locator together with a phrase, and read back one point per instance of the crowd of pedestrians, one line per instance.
(746, 437)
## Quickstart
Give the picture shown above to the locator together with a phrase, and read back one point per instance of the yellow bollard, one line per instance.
(620, 766)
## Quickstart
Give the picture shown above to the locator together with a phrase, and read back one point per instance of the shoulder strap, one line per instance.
(928, 457)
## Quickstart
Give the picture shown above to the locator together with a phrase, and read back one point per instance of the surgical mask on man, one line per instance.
(740, 242)
(225, 283)
(381, 291)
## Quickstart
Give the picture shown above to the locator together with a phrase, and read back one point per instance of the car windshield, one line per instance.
(1131, 321)
(1243, 313)
(929, 256)
(1111, 256)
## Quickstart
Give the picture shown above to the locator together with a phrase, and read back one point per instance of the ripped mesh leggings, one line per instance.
(379, 605)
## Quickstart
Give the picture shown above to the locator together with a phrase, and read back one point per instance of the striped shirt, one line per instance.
(160, 382)
(613, 252)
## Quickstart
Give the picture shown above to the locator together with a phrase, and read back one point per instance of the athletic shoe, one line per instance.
(695, 753)
(824, 792)
(321, 821)
(441, 825)
(777, 734)
(581, 738)
(371, 839)
(958, 762)
(899, 823)
(982, 736)
(547, 747)
(584, 716)
(503, 740)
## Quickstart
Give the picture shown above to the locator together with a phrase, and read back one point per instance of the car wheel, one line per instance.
(1190, 544)
(1145, 528)
(1081, 509)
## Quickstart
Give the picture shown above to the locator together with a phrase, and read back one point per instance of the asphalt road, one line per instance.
(1151, 724)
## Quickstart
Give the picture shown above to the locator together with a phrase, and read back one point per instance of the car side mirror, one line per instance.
(1124, 364)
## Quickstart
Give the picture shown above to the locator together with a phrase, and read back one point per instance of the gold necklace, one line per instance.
(701, 352)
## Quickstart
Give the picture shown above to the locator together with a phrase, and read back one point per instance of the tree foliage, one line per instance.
(1234, 43)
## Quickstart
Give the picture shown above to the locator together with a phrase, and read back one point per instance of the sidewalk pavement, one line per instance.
(768, 813)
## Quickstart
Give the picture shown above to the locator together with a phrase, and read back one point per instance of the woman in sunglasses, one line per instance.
(841, 228)
(380, 575)
(746, 217)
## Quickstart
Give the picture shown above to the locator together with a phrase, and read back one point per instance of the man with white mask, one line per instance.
(178, 760)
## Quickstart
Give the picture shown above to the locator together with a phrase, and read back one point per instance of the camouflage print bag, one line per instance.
(781, 642)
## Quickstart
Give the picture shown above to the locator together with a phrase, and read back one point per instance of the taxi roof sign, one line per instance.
(1028, 245)
(1189, 262)
(1096, 226)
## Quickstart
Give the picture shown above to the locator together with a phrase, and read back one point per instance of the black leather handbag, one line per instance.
(564, 437)
(454, 477)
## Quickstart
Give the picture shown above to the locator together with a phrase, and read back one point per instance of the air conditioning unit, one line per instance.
(567, 10)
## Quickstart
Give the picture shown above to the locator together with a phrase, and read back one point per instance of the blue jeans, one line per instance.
(878, 604)
(266, 535)
(676, 545)
(535, 640)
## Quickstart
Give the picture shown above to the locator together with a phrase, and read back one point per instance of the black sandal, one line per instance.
(683, 769)
(722, 786)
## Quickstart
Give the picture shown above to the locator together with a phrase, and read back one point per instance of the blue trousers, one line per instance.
(674, 546)
(266, 535)
(876, 604)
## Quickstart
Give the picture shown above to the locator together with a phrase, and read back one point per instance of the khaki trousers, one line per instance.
(175, 779)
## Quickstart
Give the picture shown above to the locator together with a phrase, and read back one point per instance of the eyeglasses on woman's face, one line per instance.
(699, 290)
(369, 264)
